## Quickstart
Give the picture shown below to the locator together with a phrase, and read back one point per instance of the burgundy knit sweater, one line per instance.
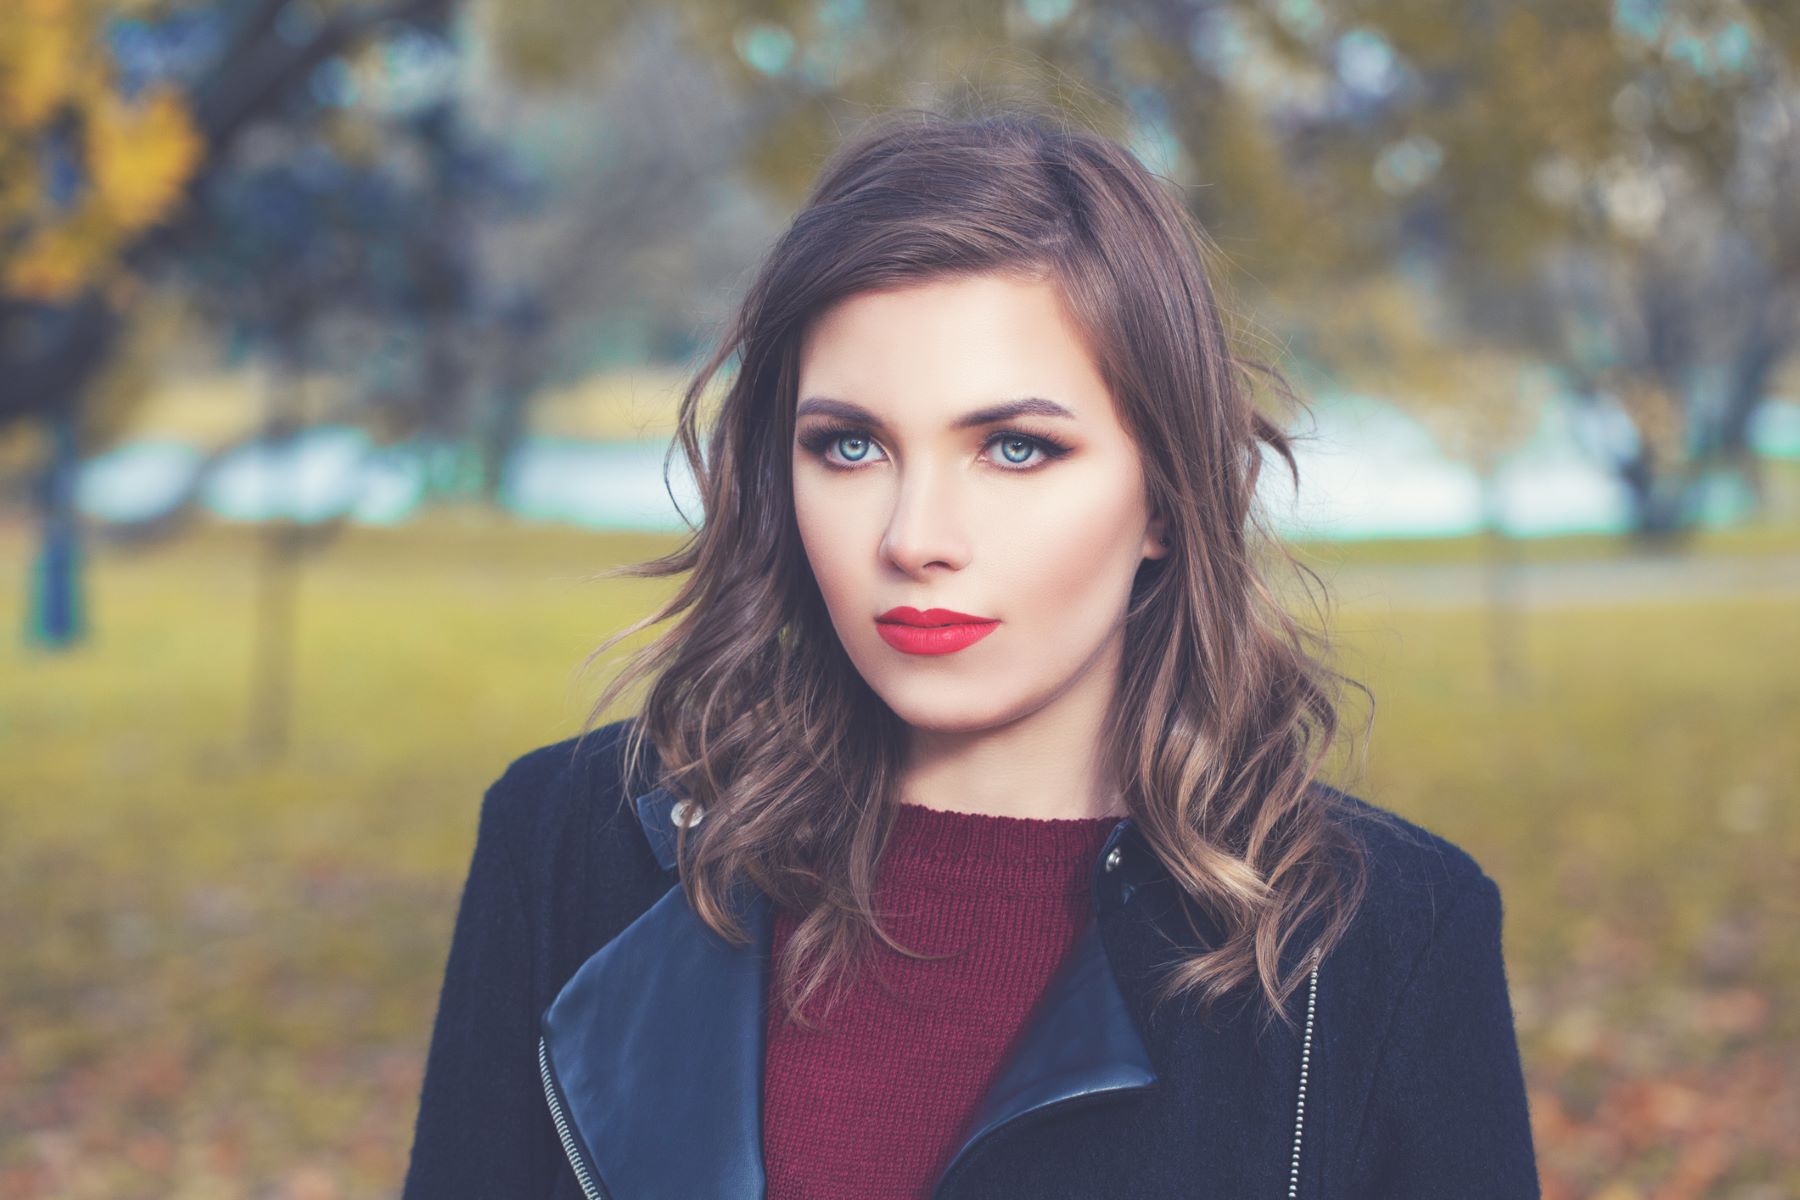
(873, 1106)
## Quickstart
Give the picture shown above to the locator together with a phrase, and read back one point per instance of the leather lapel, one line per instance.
(657, 1040)
(657, 1045)
(1078, 1041)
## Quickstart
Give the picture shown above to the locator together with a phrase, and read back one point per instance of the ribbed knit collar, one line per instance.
(980, 851)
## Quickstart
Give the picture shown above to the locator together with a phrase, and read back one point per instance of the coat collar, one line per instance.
(653, 1050)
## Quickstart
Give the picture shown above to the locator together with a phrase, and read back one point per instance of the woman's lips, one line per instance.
(931, 639)
(905, 614)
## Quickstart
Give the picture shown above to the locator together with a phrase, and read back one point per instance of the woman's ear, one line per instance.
(1156, 540)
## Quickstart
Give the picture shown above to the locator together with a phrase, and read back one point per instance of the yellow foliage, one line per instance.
(20, 185)
(42, 60)
(57, 260)
(140, 156)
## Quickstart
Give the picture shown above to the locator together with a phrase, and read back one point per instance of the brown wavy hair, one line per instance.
(1225, 707)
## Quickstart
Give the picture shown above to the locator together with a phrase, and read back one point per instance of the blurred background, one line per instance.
(340, 342)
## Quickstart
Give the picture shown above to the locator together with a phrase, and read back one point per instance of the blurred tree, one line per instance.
(640, 140)
(92, 157)
(1598, 183)
(1379, 336)
(344, 247)
(1605, 185)
(112, 114)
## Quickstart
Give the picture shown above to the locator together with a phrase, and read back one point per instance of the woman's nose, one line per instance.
(927, 524)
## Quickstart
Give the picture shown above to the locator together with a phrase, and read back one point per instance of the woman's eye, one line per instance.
(1011, 451)
(855, 447)
(1022, 447)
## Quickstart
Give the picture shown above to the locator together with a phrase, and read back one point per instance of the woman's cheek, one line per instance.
(832, 541)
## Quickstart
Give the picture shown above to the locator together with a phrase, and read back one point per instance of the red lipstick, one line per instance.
(933, 631)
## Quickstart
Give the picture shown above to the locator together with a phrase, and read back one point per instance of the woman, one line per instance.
(967, 842)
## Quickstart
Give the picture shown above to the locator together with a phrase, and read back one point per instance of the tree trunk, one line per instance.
(1505, 595)
(277, 584)
(54, 614)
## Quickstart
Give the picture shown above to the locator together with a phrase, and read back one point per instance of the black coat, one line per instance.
(594, 1038)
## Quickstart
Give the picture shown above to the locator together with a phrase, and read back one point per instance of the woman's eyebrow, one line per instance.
(1026, 406)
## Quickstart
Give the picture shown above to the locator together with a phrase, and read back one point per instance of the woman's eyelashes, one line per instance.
(1014, 453)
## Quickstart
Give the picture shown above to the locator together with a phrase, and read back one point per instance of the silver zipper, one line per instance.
(1312, 996)
(589, 1188)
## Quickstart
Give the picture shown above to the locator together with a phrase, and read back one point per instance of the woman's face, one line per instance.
(908, 495)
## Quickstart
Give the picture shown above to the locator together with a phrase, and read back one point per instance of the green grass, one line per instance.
(218, 973)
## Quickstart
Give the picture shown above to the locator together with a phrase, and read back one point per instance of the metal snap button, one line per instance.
(1113, 858)
(678, 814)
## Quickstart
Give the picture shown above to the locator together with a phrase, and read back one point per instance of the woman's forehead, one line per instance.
(950, 354)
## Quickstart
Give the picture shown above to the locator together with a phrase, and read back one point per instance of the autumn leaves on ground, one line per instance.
(217, 972)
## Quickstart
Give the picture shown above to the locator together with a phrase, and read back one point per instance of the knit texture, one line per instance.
(876, 1103)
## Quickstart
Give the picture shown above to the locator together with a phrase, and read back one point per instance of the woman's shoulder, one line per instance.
(572, 793)
(589, 766)
(1410, 856)
(582, 864)
(1417, 880)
